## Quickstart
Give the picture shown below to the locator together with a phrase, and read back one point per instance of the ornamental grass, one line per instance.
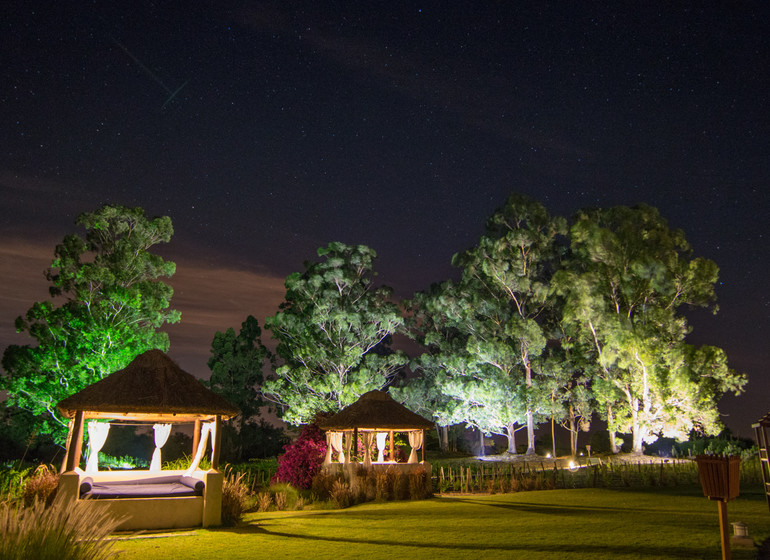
(58, 532)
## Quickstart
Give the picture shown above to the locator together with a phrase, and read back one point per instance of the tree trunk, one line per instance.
(553, 438)
(510, 433)
(444, 438)
(610, 419)
(481, 443)
(530, 416)
(636, 427)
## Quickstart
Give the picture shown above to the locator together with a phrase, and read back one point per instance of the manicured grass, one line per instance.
(556, 524)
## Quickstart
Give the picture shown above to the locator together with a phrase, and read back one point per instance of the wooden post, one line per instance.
(196, 436)
(392, 447)
(723, 530)
(217, 442)
(75, 443)
(67, 445)
(354, 450)
(423, 445)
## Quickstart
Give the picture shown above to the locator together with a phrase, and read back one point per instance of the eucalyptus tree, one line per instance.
(236, 364)
(630, 279)
(113, 305)
(465, 369)
(333, 332)
(509, 273)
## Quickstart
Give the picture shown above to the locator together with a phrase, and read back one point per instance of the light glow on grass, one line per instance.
(548, 525)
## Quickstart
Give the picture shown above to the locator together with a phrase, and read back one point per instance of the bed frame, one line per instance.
(149, 500)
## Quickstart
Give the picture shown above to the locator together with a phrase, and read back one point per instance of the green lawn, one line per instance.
(555, 524)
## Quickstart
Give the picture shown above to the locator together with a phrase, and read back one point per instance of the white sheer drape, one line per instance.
(334, 443)
(415, 441)
(367, 437)
(162, 431)
(381, 440)
(206, 428)
(97, 435)
(337, 444)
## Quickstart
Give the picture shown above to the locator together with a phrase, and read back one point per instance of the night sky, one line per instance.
(268, 129)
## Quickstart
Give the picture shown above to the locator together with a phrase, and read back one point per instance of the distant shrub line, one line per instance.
(494, 477)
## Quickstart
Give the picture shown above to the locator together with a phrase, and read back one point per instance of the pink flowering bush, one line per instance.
(303, 458)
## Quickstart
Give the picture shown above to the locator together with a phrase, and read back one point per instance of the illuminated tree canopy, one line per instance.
(629, 278)
(113, 305)
(333, 333)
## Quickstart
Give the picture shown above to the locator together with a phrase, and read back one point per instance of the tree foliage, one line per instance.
(504, 312)
(629, 280)
(236, 365)
(333, 332)
(113, 304)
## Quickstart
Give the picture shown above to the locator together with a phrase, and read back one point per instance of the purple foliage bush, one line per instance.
(302, 459)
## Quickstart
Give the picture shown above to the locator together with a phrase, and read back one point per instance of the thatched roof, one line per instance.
(376, 410)
(151, 385)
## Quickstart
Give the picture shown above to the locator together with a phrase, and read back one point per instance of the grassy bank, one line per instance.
(594, 523)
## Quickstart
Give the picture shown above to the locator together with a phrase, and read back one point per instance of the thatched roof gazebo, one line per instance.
(375, 417)
(152, 388)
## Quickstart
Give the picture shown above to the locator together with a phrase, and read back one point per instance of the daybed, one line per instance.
(149, 501)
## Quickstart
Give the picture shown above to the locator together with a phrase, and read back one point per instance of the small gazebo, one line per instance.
(375, 418)
(151, 389)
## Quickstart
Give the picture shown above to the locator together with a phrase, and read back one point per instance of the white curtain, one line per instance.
(205, 429)
(415, 441)
(337, 443)
(334, 443)
(381, 440)
(162, 431)
(97, 435)
(367, 437)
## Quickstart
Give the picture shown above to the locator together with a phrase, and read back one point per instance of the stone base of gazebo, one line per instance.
(151, 512)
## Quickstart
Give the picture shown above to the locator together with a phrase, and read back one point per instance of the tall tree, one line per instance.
(114, 304)
(510, 271)
(630, 278)
(333, 332)
(236, 365)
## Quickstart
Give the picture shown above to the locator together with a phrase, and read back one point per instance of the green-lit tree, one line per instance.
(114, 304)
(629, 280)
(507, 276)
(236, 365)
(333, 332)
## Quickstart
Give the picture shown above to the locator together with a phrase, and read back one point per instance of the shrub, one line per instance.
(234, 494)
(280, 501)
(302, 459)
(41, 486)
(126, 462)
(264, 501)
(59, 532)
(12, 481)
(341, 494)
(284, 495)
(420, 484)
(323, 482)
(184, 463)
(383, 487)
